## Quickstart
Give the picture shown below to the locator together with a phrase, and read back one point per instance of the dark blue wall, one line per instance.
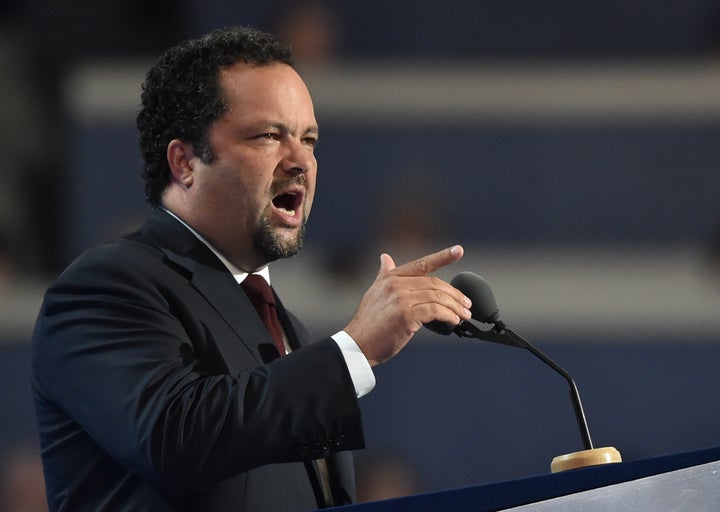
(609, 184)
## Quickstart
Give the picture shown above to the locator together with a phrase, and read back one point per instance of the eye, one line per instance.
(311, 142)
(265, 136)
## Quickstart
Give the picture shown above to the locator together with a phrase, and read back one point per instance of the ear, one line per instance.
(179, 157)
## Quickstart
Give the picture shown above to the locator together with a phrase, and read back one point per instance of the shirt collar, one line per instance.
(237, 273)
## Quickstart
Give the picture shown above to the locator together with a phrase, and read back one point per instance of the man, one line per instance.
(156, 383)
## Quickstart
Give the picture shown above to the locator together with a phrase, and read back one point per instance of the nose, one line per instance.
(299, 159)
(295, 171)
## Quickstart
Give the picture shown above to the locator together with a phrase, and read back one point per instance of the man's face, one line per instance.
(252, 201)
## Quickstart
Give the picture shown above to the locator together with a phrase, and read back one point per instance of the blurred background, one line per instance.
(572, 148)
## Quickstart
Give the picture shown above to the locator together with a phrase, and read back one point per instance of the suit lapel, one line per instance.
(217, 285)
(228, 299)
(296, 334)
(213, 281)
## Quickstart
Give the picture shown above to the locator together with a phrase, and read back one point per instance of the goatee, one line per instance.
(272, 245)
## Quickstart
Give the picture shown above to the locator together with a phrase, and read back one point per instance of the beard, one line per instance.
(272, 245)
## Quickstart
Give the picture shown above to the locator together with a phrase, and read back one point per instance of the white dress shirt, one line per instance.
(360, 370)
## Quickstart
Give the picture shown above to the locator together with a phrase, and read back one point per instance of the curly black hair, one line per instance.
(181, 96)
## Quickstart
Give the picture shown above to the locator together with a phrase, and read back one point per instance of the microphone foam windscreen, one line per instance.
(484, 307)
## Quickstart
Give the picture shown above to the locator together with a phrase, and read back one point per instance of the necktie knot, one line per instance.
(258, 290)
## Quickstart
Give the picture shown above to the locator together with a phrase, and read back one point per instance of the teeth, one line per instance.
(285, 209)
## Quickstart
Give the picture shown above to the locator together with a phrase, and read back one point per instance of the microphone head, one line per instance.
(484, 308)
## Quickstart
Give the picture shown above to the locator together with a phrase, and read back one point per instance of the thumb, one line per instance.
(386, 264)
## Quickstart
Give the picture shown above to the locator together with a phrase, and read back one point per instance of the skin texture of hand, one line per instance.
(401, 300)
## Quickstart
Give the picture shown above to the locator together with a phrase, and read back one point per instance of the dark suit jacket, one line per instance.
(154, 390)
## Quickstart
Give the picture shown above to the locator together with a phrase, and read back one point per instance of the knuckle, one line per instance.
(393, 286)
(421, 264)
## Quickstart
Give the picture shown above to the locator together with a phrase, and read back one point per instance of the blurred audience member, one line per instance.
(383, 477)
(7, 265)
(22, 486)
(409, 214)
(712, 255)
(22, 142)
(312, 28)
(40, 42)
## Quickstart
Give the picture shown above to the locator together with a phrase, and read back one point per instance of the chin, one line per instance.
(274, 246)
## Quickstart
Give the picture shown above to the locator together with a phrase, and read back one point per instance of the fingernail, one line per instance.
(455, 249)
(467, 301)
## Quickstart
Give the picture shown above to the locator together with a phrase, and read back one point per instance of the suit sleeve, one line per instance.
(113, 351)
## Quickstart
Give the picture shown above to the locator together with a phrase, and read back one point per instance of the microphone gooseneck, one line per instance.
(484, 309)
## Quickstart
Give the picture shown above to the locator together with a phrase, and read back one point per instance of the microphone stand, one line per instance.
(590, 456)
(501, 334)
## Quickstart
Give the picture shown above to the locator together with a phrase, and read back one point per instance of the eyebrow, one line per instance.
(312, 130)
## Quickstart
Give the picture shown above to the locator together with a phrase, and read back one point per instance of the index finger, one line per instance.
(431, 262)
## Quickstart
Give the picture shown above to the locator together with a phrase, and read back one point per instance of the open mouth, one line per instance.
(289, 203)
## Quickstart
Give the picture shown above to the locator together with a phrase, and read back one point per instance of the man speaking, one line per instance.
(167, 375)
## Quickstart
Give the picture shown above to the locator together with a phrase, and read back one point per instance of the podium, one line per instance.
(680, 482)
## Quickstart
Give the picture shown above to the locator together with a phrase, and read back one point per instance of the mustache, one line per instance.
(279, 186)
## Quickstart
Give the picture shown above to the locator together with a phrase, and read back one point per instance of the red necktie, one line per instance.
(261, 296)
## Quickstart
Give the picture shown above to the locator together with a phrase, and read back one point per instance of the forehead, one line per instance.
(268, 85)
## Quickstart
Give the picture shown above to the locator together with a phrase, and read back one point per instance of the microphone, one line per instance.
(484, 309)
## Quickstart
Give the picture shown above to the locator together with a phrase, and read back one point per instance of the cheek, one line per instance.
(237, 183)
(312, 182)
(225, 193)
